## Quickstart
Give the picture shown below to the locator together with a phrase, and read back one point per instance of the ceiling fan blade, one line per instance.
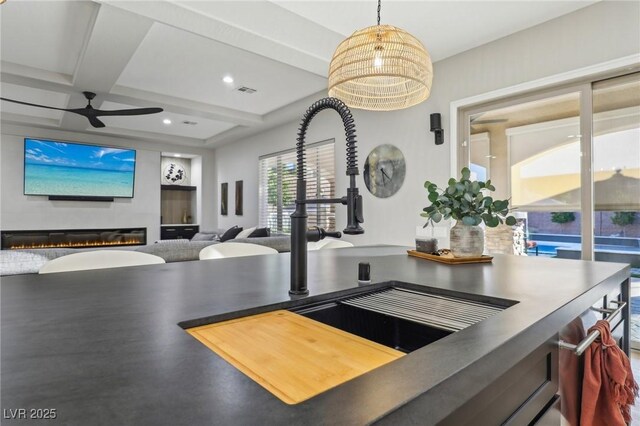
(94, 121)
(135, 111)
(35, 105)
(90, 113)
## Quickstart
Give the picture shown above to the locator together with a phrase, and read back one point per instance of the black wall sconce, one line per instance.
(436, 127)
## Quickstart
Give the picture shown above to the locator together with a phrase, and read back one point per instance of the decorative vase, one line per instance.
(466, 240)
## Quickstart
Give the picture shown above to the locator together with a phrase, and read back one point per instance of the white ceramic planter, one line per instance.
(466, 241)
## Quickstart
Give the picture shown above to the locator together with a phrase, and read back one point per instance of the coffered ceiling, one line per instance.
(174, 54)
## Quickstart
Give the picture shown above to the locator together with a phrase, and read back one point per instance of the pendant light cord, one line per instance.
(379, 5)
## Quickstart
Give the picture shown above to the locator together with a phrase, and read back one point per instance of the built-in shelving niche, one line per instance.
(178, 204)
(180, 176)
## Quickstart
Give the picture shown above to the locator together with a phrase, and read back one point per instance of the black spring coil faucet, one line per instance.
(300, 235)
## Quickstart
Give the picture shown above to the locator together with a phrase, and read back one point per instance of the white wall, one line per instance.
(20, 212)
(596, 34)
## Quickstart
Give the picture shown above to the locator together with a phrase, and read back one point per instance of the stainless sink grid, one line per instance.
(442, 312)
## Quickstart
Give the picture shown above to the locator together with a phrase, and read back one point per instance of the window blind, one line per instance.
(277, 187)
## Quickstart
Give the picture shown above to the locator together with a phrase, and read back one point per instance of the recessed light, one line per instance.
(166, 121)
(178, 155)
(227, 79)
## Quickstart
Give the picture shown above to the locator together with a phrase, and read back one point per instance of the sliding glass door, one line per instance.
(616, 173)
(569, 160)
(530, 149)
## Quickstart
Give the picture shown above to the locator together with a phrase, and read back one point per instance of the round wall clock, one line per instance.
(384, 171)
(174, 174)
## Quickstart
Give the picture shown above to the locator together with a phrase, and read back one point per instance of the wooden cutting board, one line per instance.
(293, 357)
(449, 259)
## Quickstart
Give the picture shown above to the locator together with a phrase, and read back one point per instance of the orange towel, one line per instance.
(608, 387)
(570, 372)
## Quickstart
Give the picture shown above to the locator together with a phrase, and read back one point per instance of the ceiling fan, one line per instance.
(91, 113)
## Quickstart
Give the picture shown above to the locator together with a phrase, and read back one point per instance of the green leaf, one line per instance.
(466, 173)
(468, 220)
(475, 187)
(491, 187)
(468, 197)
(437, 217)
(452, 181)
(451, 190)
(500, 204)
(511, 220)
(432, 188)
(493, 222)
(433, 196)
(427, 184)
(424, 214)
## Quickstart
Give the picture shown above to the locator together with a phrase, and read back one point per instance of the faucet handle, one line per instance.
(316, 234)
(336, 234)
(358, 210)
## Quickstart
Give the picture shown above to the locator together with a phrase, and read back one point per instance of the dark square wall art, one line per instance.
(224, 197)
(239, 198)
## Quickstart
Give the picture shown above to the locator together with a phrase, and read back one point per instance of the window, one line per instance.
(277, 192)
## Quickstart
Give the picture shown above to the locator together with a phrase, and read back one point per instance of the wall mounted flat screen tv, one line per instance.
(77, 170)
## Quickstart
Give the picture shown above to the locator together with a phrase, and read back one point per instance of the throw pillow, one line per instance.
(201, 236)
(230, 234)
(260, 232)
(246, 232)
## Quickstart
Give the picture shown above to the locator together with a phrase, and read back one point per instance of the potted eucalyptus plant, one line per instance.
(467, 202)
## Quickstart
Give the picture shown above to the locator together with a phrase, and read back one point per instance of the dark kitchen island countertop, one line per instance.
(104, 347)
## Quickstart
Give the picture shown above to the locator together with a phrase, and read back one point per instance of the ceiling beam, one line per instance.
(143, 98)
(108, 52)
(105, 55)
(286, 114)
(204, 20)
(34, 77)
(9, 117)
(153, 136)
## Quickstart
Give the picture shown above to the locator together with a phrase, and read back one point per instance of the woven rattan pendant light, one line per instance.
(380, 68)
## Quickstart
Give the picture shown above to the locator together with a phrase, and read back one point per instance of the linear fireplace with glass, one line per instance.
(73, 238)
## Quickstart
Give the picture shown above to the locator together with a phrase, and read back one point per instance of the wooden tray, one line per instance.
(449, 259)
(293, 357)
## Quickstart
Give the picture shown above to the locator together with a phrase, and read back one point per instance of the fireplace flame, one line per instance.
(77, 244)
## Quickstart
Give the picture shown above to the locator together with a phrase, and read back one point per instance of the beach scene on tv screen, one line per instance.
(61, 168)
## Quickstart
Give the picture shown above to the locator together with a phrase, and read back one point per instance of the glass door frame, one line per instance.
(586, 148)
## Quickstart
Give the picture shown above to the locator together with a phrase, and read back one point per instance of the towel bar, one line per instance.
(582, 346)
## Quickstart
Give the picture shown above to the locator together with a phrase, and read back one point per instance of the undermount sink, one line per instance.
(400, 318)
(389, 331)
(301, 352)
